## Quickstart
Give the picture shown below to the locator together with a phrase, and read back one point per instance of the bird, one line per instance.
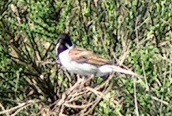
(80, 61)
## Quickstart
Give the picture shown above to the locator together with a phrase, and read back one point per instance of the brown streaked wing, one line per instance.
(83, 56)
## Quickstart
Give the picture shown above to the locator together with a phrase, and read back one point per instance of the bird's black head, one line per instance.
(64, 43)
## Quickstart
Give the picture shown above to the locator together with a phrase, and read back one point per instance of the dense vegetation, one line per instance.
(134, 33)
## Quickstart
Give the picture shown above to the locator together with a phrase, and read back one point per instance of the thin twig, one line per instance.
(135, 99)
(21, 105)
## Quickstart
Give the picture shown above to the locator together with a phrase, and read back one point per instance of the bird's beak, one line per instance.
(56, 48)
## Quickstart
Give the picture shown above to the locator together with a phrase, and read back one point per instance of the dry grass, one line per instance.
(134, 34)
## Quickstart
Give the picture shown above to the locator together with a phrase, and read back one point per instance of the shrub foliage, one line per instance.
(131, 32)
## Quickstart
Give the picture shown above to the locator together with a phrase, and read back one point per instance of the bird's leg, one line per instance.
(80, 78)
(79, 81)
(86, 81)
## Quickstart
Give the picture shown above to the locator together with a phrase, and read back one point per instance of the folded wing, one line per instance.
(83, 56)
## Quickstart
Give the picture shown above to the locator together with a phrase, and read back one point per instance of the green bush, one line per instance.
(134, 33)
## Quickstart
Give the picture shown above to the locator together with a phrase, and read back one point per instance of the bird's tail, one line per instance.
(113, 68)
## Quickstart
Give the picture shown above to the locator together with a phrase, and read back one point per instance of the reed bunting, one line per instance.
(83, 62)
